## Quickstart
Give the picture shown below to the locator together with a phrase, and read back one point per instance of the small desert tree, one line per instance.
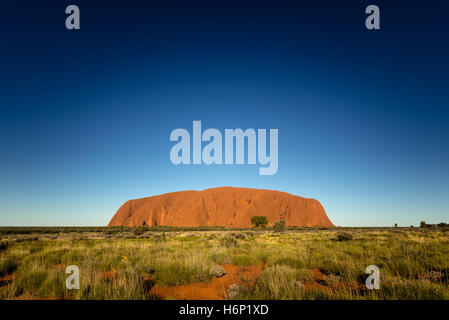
(279, 226)
(423, 224)
(259, 221)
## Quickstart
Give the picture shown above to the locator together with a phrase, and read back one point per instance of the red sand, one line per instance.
(216, 289)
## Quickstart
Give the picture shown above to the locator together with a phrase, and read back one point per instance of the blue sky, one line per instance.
(86, 115)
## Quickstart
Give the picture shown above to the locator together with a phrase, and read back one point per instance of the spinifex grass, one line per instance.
(414, 263)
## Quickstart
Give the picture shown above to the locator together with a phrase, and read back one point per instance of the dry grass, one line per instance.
(414, 263)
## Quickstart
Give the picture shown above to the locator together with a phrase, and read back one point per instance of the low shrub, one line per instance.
(345, 236)
(280, 226)
(229, 242)
(137, 231)
(4, 246)
(235, 291)
(239, 235)
(217, 271)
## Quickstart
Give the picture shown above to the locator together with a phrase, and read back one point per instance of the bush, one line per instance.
(217, 271)
(259, 221)
(345, 236)
(239, 235)
(4, 246)
(280, 226)
(111, 231)
(140, 230)
(8, 266)
(235, 291)
(229, 242)
(423, 224)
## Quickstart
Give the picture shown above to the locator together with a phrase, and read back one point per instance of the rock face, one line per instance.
(227, 206)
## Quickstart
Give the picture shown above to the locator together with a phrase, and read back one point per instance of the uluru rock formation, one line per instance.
(226, 206)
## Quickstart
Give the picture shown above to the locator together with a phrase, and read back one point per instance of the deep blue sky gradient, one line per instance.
(363, 116)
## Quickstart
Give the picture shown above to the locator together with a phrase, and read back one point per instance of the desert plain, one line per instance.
(162, 262)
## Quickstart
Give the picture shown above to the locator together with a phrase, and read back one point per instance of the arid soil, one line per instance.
(235, 277)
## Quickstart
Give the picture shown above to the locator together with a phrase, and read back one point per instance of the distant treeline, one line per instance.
(428, 225)
(53, 230)
(143, 229)
(48, 230)
(115, 229)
